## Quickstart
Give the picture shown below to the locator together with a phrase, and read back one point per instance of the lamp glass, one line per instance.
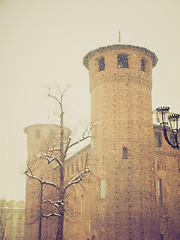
(174, 122)
(162, 115)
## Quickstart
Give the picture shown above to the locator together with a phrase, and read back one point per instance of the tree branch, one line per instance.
(55, 203)
(51, 215)
(41, 180)
(78, 178)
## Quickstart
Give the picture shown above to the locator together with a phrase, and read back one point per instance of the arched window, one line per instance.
(125, 153)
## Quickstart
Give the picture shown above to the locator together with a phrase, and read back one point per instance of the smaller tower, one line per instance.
(38, 136)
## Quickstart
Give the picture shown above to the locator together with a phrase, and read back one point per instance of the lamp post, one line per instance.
(169, 121)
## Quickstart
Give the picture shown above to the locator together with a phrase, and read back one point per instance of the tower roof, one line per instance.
(120, 46)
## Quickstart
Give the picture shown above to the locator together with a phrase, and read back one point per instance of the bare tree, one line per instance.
(5, 216)
(56, 153)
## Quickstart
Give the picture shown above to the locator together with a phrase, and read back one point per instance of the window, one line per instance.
(143, 65)
(72, 168)
(123, 61)
(82, 205)
(125, 153)
(75, 205)
(162, 236)
(158, 139)
(93, 143)
(101, 64)
(77, 166)
(160, 191)
(68, 170)
(82, 163)
(102, 188)
(172, 139)
(52, 133)
(37, 134)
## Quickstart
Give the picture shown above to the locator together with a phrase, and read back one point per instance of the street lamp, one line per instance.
(169, 121)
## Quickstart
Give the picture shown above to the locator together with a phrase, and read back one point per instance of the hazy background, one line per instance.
(44, 41)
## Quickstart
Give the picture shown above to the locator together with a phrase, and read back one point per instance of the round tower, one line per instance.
(39, 138)
(123, 142)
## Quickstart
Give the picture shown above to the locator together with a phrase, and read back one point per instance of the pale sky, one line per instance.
(44, 41)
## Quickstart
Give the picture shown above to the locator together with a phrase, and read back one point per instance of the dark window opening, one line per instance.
(162, 237)
(158, 139)
(160, 191)
(82, 205)
(93, 237)
(123, 61)
(172, 139)
(125, 153)
(101, 64)
(143, 65)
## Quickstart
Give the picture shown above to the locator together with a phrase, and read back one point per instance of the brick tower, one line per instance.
(123, 143)
(38, 136)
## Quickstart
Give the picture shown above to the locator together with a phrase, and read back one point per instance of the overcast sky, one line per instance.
(44, 41)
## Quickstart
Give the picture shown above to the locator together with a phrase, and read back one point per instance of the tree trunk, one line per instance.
(60, 226)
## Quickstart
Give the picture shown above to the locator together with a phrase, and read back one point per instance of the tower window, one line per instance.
(143, 65)
(122, 61)
(102, 188)
(82, 205)
(37, 134)
(52, 133)
(160, 191)
(125, 153)
(158, 139)
(101, 64)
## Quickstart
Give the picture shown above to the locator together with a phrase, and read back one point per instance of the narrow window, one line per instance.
(101, 64)
(37, 134)
(75, 205)
(143, 65)
(172, 139)
(77, 166)
(52, 133)
(93, 143)
(160, 191)
(102, 188)
(162, 237)
(72, 168)
(125, 153)
(68, 170)
(123, 61)
(158, 139)
(82, 205)
(82, 163)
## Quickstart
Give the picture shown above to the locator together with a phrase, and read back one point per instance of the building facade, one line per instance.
(12, 216)
(131, 191)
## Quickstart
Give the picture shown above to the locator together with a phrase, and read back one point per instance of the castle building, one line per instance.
(12, 216)
(131, 192)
